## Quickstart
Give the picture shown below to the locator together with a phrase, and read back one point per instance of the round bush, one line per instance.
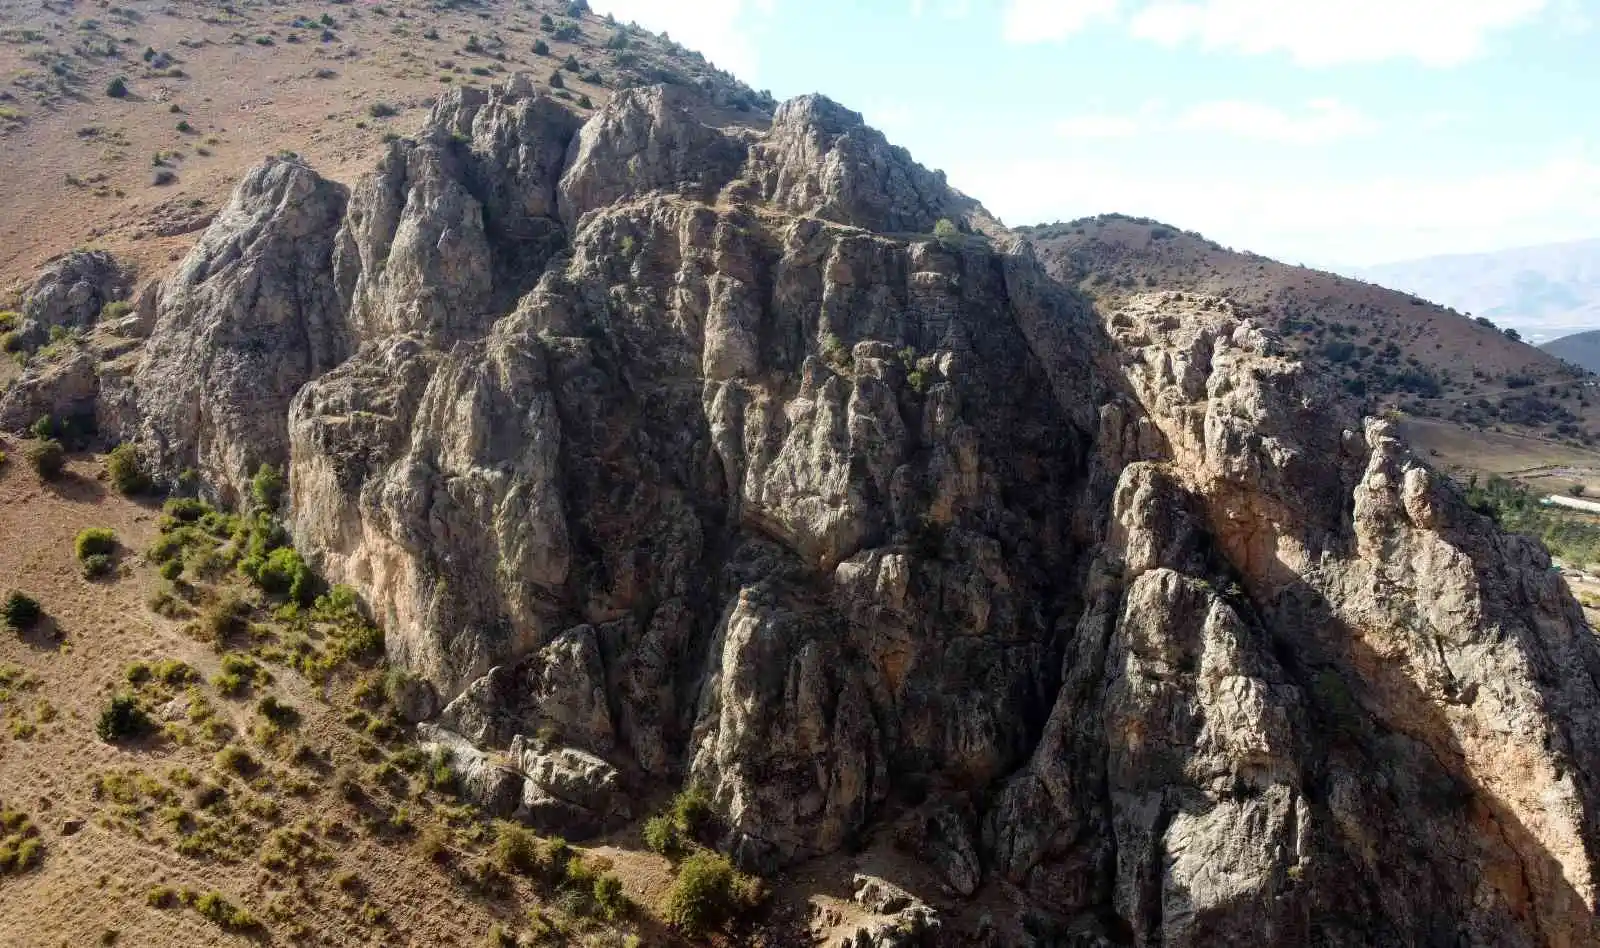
(122, 719)
(127, 475)
(95, 541)
(21, 611)
(48, 457)
(701, 897)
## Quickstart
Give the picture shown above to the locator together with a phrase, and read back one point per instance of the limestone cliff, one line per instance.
(675, 439)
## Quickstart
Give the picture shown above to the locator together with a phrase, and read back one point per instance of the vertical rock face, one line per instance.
(667, 450)
(249, 318)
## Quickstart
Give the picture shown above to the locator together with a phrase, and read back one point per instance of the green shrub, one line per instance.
(608, 896)
(236, 760)
(691, 809)
(947, 234)
(515, 850)
(541, 48)
(223, 618)
(117, 88)
(48, 458)
(381, 110)
(266, 488)
(172, 569)
(21, 611)
(661, 836)
(96, 565)
(20, 846)
(116, 309)
(277, 712)
(238, 671)
(706, 893)
(122, 719)
(95, 541)
(282, 573)
(127, 476)
(230, 917)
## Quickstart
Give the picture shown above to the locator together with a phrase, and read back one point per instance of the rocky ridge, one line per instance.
(671, 447)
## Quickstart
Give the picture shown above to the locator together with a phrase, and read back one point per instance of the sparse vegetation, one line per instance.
(21, 849)
(1569, 534)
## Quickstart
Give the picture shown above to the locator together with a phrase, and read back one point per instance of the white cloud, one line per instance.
(1324, 121)
(720, 29)
(1312, 33)
(1042, 21)
(1314, 219)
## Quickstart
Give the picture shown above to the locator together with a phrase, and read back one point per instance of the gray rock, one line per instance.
(494, 785)
(568, 791)
(910, 921)
(71, 292)
(248, 319)
(63, 387)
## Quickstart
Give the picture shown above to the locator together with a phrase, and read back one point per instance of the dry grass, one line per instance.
(284, 811)
(222, 90)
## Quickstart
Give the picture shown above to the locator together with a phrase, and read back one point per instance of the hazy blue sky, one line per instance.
(1333, 132)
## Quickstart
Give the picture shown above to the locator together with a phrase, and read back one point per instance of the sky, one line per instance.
(1335, 134)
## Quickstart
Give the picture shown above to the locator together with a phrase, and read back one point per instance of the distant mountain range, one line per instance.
(1542, 292)
(1581, 349)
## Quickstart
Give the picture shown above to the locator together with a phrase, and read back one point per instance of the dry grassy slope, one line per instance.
(98, 879)
(1486, 382)
(243, 100)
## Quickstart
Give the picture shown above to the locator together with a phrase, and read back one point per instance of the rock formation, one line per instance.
(672, 447)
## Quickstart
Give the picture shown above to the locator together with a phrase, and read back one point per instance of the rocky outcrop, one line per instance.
(64, 387)
(70, 293)
(900, 919)
(668, 449)
(248, 319)
(1304, 647)
(822, 159)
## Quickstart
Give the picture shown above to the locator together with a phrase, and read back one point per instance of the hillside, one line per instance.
(1581, 349)
(212, 88)
(1389, 350)
(1543, 292)
(289, 798)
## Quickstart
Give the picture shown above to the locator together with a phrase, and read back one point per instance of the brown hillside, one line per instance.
(213, 88)
(1392, 349)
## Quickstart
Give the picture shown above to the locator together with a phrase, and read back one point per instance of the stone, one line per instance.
(70, 293)
(671, 449)
(248, 319)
